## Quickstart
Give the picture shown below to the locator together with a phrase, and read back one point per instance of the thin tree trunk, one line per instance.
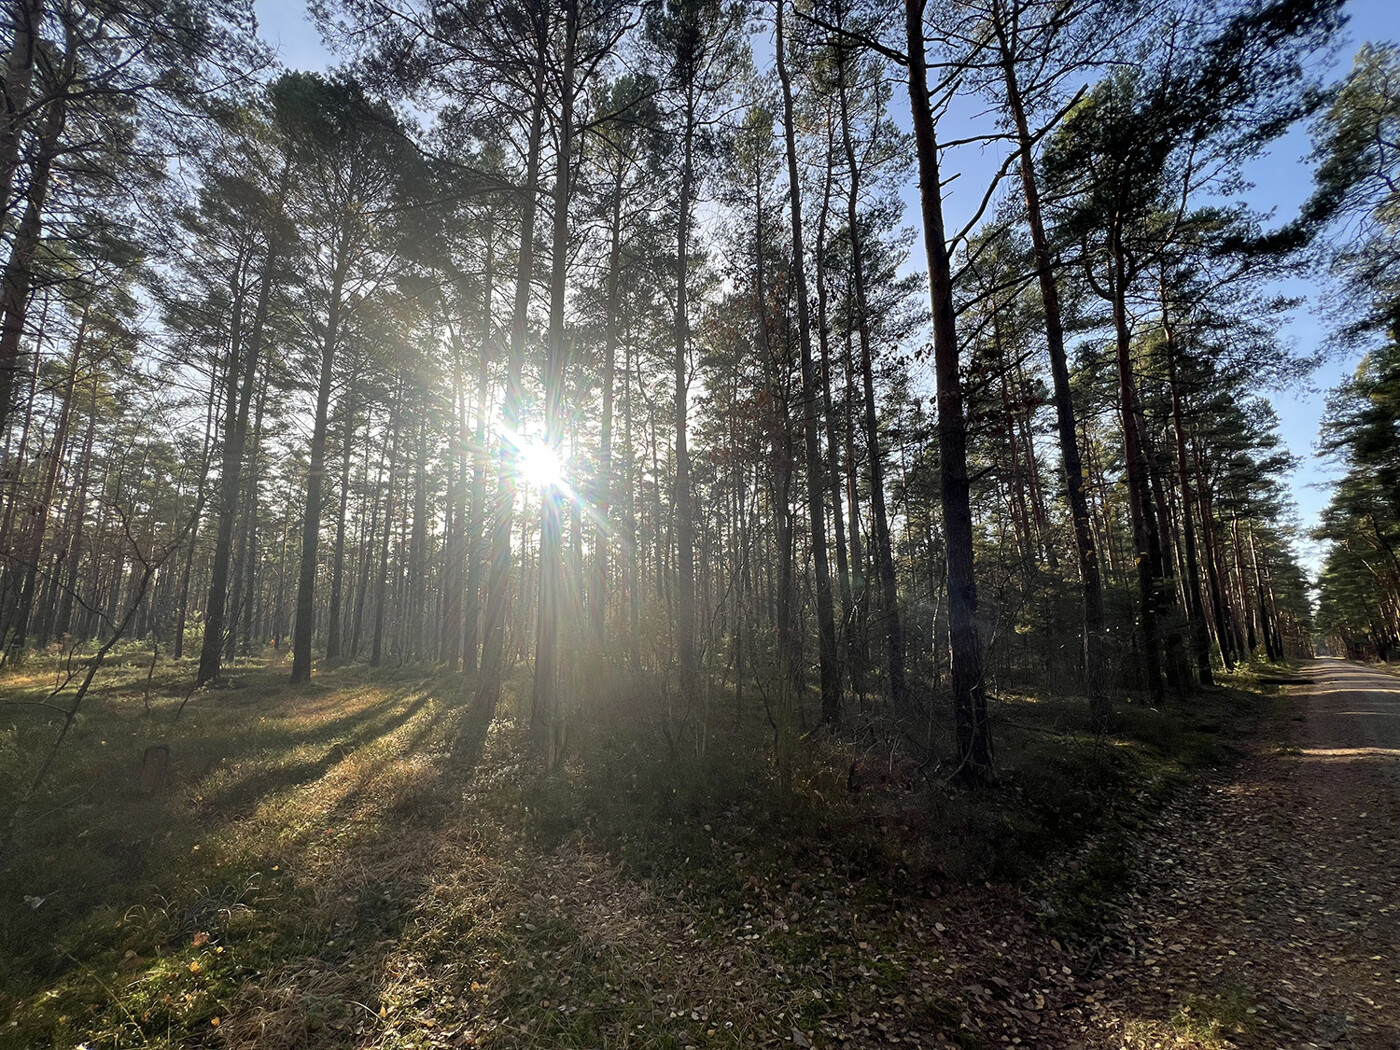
(489, 681)
(476, 553)
(684, 515)
(833, 448)
(816, 480)
(366, 545)
(545, 713)
(1144, 546)
(381, 580)
(73, 551)
(15, 93)
(884, 547)
(238, 389)
(251, 507)
(338, 559)
(18, 275)
(454, 552)
(1200, 633)
(38, 526)
(1090, 579)
(305, 625)
(416, 584)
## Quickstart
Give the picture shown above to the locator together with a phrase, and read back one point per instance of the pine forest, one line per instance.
(675, 523)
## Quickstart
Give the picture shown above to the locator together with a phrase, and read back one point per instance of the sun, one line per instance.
(539, 466)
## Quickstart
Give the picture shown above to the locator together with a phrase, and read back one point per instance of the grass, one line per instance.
(326, 867)
(1215, 1020)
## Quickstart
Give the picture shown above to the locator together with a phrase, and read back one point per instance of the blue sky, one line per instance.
(1281, 181)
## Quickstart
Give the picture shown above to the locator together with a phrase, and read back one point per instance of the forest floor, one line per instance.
(332, 865)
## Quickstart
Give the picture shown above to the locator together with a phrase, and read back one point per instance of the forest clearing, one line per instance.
(679, 523)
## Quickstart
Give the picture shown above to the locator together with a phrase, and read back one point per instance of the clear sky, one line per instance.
(1281, 180)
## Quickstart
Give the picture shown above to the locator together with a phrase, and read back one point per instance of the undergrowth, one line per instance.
(330, 865)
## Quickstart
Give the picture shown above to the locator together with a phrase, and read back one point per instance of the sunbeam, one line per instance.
(540, 466)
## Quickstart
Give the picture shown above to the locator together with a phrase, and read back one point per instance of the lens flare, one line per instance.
(539, 466)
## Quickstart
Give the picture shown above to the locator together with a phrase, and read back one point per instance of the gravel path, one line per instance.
(1267, 909)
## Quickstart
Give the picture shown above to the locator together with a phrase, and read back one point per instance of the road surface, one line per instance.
(1267, 912)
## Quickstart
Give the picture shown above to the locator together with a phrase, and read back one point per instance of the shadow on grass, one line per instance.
(339, 738)
(300, 824)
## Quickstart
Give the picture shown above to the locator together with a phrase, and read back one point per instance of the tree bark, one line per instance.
(1090, 578)
(545, 712)
(305, 625)
(969, 698)
(238, 389)
(476, 522)
(347, 439)
(38, 526)
(684, 515)
(604, 497)
(381, 578)
(1136, 463)
(1200, 633)
(15, 93)
(488, 684)
(884, 547)
(18, 275)
(816, 480)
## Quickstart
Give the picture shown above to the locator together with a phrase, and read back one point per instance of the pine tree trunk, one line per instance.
(602, 536)
(32, 553)
(634, 584)
(884, 547)
(684, 515)
(15, 92)
(1200, 633)
(191, 541)
(417, 582)
(545, 727)
(381, 579)
(347, 440)
(833, 447)
(476, 539)
(18, 274)
(969, 700)
(305, 625)
(239, 380)
(1090, 578)
(74, 556)
(489, 681)
(251, 507)
(969, 697)
(454, 548)
(816, 480)
(1145, 550)
(366, 546)
(858, 634)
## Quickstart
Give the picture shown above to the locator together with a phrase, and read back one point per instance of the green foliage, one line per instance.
(1358, 143)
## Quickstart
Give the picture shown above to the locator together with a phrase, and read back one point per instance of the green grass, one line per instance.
(323, 869)
(1214, 1020)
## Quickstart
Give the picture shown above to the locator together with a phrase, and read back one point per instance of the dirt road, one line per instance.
(1267, 909)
